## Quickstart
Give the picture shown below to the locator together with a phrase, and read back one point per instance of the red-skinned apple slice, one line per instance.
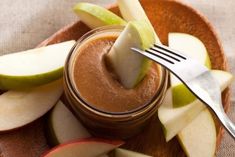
(90, 147)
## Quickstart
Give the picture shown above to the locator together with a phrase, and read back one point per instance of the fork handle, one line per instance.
(227, 123)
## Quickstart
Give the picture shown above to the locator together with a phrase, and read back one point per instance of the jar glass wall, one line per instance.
(103, 123)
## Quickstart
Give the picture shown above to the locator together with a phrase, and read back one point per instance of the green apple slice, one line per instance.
(194, 48)
(33, 67)
(132, 10)
(119, 152)
(95, 16)
(174, 120)
(22, 107)
(63, 126)
(199, 137)
(131, 67)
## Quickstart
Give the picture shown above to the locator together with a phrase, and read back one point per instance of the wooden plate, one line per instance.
(166, 16)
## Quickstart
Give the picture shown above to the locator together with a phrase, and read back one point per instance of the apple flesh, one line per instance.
(126, 153)
(95, 16)
(19, 108)
(199, 137)
(33, 67)
(194, 48)
(174, 120)
(190, 46)
(132, 10)
(90, 147)
(131, 67)
(63, 126)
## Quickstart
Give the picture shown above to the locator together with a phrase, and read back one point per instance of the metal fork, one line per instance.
(197, 78)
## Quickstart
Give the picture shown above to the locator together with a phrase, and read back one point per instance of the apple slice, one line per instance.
(199, 137)
(95, 16)
(19, 108)
(90, 147)
(33, 67)
(126, 153)
(131, 67)
(132, 10)
(194, 48)
(61, 118)
(175, 119)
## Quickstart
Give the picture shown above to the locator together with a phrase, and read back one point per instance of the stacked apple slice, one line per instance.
(199, 137)
(21, 107)
(181, 113)
(34, 83)
(183, 101)
(175, 119)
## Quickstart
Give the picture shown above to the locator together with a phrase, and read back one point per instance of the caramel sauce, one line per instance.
(98, 85)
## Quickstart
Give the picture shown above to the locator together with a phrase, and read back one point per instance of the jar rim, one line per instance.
(75, 92)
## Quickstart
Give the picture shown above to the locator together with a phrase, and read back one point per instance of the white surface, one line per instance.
(25, 23)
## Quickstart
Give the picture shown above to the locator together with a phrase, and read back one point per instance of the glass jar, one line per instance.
(109, 124)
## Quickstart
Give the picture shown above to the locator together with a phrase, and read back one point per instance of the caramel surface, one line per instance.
(99, 87)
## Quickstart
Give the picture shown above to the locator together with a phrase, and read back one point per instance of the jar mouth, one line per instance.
(76, 94)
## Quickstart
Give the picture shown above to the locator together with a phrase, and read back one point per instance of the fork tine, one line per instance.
(157, 58)
(171, 51)
(160, 55)
(163, 52)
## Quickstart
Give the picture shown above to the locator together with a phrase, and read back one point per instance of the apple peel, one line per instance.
(89, 147)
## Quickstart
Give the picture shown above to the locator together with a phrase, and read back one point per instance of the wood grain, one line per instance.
(166, 16)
